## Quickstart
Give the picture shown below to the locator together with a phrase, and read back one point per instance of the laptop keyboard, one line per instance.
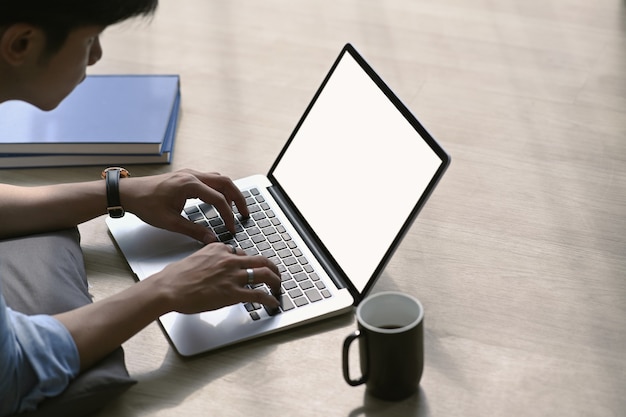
(263, 234)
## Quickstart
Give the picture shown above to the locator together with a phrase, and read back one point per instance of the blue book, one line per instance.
(105, 114)
(56, 160)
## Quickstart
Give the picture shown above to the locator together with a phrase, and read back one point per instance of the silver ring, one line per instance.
(250, 272)
(232, 249)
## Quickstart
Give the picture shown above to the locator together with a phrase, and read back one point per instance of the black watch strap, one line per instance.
(112, 177)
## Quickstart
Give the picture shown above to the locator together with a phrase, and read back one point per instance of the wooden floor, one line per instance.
(520, 255)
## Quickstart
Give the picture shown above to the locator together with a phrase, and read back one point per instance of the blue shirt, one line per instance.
(38, 359)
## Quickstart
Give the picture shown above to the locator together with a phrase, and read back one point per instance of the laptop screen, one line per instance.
(356, 168)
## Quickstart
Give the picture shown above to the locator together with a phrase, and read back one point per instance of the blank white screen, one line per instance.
(356, 169)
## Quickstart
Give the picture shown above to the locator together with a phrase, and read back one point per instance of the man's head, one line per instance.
(46, 45)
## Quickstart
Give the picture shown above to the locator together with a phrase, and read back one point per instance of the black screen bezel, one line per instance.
(299, 219)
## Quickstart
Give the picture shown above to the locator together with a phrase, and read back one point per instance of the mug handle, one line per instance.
(346, 365)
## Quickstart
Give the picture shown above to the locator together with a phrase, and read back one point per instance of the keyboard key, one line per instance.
(313, 295)
(245, 222)
(220, 229)
(268, 253)
(194, 217)
(289, 261)
(253, 231)
(279, 245)
(301, 277)
(289, 285)
(272, 311)
(268, 231)
(273, 238)
(246, 244)
(294, 269)
(284, 253)
(263, 246)
(295, 293)
(252, 306)
(264, 223)
(301, 301)
(259, 216)
(258, 239)
(216, 222)
(226, 237)
(305, 285)
(287, 304)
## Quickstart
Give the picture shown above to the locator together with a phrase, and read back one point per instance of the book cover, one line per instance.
(54, 160)
(105, 114)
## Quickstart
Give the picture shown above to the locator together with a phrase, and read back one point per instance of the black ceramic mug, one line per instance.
(391, 345)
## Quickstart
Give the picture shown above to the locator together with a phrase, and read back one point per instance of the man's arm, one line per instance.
(209, 279)
(27, 210)
(157, 200)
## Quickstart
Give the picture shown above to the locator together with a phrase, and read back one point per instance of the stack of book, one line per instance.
(106, 120)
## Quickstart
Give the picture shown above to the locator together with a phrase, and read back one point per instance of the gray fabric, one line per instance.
(45, 274)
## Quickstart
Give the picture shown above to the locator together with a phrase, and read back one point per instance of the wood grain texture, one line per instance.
(520, 255)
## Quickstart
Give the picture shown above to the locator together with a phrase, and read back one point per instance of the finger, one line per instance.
(258, 261)
(223, 207)
(233, 249)
(265, 275)
(258, 296)
(194, 230)
(237, 197)
(232, 193)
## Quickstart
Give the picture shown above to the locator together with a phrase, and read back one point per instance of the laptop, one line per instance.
(330, 213)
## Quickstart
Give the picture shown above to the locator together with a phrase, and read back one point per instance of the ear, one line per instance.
(20, 43)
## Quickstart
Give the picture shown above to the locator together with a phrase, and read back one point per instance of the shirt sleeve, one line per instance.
(38, 359)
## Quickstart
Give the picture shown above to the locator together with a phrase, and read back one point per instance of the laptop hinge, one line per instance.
(333, 273)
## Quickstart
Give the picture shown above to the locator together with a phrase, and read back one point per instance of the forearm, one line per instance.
(99, 328)
(26, 210)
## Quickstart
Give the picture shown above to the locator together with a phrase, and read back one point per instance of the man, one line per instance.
(45, 47)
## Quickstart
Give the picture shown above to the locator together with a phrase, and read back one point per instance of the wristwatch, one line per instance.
(112, 177)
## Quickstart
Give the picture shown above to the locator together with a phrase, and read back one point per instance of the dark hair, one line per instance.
(57, 18)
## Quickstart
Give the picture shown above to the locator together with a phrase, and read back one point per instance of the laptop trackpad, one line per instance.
(149, 249)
